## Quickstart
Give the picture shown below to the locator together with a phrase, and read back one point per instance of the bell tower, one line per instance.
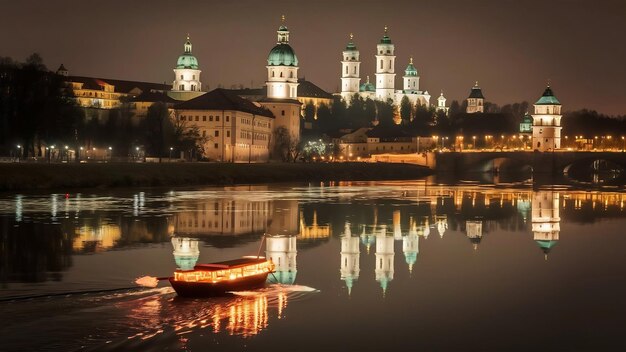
(385, 68)
(350, 75)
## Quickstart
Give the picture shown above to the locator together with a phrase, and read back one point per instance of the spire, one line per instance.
(411, 60)
(351, 45)
(188, 45)
(283, 32)
(386, 39)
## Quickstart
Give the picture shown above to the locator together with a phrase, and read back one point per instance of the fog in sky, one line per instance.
(511, 47)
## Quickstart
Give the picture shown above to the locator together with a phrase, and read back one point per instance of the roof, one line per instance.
(307, 89)
(153, 96)
(121, 86)
(223, 99)
(476, 93)
(410, 70)
(548, 98)
(282, 55)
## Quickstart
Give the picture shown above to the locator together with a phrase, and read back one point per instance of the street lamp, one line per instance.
(474, 143)
(171, 149)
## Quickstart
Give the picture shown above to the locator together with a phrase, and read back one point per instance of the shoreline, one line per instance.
(62, 177)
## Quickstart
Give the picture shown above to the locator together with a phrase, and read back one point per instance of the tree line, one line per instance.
(37, 110)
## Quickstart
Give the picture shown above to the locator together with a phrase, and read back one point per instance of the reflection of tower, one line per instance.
(349, 258)
(410, 245)
(282, 251)
(186, 252)
(546, 221)
(424, 227)
(397, 228)
(384, 258)
(442, 224)
(474, 230)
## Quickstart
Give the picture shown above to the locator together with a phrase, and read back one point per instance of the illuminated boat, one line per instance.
(219, 278)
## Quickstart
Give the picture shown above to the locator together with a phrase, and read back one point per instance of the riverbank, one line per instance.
(61, 177)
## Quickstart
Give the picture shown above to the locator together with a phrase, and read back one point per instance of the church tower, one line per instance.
(384, 258)
(547, 122)
(476, 100)
(411, 79)
(282, 84)
(385, 68)
(350, 71)
(186, 83)
(350, 253)
(546, 220)
(441, 103)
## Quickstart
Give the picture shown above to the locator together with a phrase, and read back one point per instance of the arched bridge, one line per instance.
(543, 165)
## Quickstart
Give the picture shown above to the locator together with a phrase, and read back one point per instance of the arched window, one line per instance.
(272, 73)
(291, 74)
(281, 74)
(346, 69)
(381, 64)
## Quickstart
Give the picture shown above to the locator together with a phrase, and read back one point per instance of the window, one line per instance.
(181, 76)
(182, 118)
(211, 118)
(216, 146)
(227, 118)
(272, 73)
(203, 133)
(381, 64)
(227, 133)
(197, 118)
(217, 118)
(281, 74)
(346, 69)
(181, 87)
(217, 133)
(291, 74)
(194, 77)
(203, 118)
(282, 112)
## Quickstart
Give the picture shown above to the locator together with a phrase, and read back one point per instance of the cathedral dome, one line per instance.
(410, 69)
(367, 86)
(527, 119)
(187, 60)
(282, 55)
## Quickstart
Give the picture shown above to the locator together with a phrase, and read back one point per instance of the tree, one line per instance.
(406, 110)
(385, 112)
(309, 112)
(154, 127)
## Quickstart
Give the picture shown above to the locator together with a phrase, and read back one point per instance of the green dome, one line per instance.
(282, 55)
(187, 61)
(410, 70)
(527, 119)
(546, 246)
(367, 86)
(283, 277)
(548, 98)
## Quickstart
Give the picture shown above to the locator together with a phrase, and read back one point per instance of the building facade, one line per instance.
(476, 100)
(234, 129)
(547, 122)
(385, 68)
(350, 71)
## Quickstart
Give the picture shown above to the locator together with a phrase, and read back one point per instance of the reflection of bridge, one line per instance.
(542, 164)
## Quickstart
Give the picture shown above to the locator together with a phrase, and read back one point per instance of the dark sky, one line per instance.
(511, 47)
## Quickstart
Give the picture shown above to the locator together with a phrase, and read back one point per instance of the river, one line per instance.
(368, 266)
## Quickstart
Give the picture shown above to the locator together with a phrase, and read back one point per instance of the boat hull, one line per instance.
(210, 289)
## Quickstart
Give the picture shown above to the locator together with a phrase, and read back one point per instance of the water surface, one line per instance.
(360, 266)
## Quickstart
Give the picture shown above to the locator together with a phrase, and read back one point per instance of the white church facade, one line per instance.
(384, 86)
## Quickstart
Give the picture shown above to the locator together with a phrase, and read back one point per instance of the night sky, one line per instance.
(511, 47)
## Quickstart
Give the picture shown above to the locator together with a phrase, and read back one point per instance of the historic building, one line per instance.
(186, 83)
(441, 104)
(350, 71)
(547, 122)
(384, 86)
(282, 85)
(385, 253)
(476, 100)
(234, 129)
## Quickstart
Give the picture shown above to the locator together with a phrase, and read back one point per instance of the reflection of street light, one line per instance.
(171, 149)
(474, 143)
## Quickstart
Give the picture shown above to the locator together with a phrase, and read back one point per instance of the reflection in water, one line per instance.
(281, 249)
(350, 253)
(186, 252)
(546, 222)
(474, 230)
